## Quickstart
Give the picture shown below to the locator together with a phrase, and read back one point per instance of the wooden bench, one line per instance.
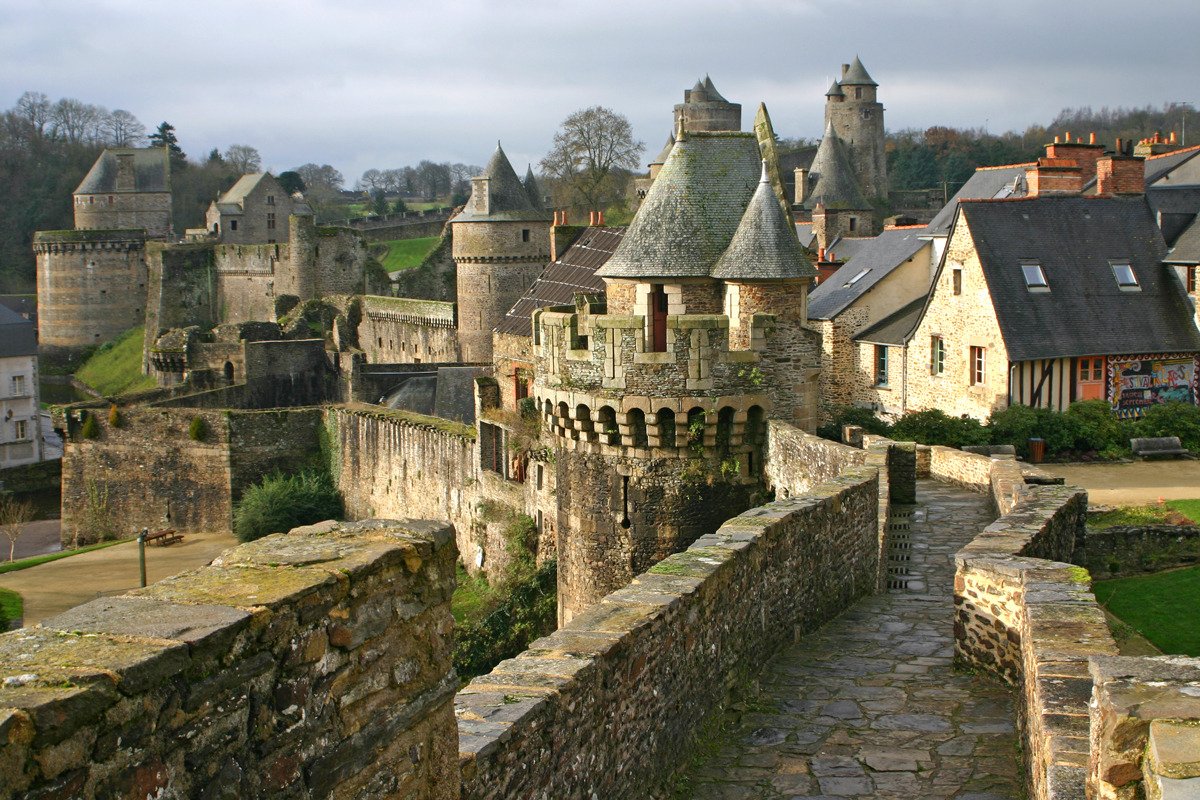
(164, 537)
(1153, 446)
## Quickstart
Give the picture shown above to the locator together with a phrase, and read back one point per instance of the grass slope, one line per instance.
(1165, 608)
(12, 606)
(33, 561)
(116, 368)
(407, 253)
(1173, 512)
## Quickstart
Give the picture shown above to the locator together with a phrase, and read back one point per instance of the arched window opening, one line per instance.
(609, 432)
(695, 429)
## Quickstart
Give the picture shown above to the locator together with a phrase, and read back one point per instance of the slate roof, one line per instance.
(804, 232)
(150, 166)
(879, 255)
(835, 90)
(1075, 239)
(894, 328)
(508, 201)
(857, 75)
(986, 184)
(692, 209)
(573, 273)
(1158, 166)
(17, 336)
(532, 189)
(1187, 246)
(713, 95)
(1175, 206)
(836, 186)
(661, 158)
(765, 246)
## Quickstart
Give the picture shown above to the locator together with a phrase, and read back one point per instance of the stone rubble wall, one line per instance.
(798, 461)
(606, 706)
(1126, 550)
(313, 664)
(1094, 724)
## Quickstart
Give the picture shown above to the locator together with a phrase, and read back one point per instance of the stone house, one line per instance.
(126, 189)
(883, 276)
(255, 210)
(1051, 299)
(20, 422)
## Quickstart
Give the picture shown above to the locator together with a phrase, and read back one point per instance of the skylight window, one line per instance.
(1035, 277)
(1124, 274)
(857, 277)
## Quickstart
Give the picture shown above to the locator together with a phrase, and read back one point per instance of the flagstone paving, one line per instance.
(870, 705)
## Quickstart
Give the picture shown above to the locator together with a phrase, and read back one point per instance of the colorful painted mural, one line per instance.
(1137, 382)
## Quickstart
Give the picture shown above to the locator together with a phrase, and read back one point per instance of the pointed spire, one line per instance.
(857, 75)
(836, 186)
(507, 197)
(532, 189)
(661, 158)
(835, 90)
(765, 246)
(713, 95)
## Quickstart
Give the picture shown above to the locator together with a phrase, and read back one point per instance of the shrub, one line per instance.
(1171, 419)
(1097, 428)
(937, 427)
(197, 431)
(282, 502)
(1015, 425)
(91, 428)
(114, 416)
(525, 609)
(853, 415)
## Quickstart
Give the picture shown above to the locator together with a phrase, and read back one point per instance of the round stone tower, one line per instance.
(704, 109)
(501, 243)
(853, 110)
(657, 402)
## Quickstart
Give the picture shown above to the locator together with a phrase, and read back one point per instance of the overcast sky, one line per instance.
(385, 83)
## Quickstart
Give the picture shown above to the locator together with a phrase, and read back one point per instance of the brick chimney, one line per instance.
(1120, 175)
(1085, 154)
(1054, 176)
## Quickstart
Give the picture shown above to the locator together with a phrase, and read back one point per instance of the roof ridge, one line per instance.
(1173, 152)
(1008, 166)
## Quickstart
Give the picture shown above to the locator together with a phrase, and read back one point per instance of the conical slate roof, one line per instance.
(835, 90)
(836, 186)
(765, 246)
(857, 75)
(661, 158)
(507, 195)
(532, 190)
(692, 209)
(713, 95)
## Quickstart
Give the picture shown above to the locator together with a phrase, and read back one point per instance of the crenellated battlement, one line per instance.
(607, 355)
(77, 241)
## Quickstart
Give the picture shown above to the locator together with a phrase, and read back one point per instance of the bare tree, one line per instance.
(35, 107)
(14, 514)
(123, 129)
(371, 180)
(243, 158)
(73, 121)
(591, 149)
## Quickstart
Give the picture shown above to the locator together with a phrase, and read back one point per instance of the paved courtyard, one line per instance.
(869, 705)
(1133, 483)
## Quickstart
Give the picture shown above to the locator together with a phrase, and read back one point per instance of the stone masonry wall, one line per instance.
(149, 473)
(606, 706)
(314, 664)
(798, 461)
(396, 330)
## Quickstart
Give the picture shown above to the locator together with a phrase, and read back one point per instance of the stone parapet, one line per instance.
(607, 705)
(309, 664)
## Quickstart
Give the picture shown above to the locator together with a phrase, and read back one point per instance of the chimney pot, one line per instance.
(845, 69)
(600, 214)
(1172, 137)
(1056, 140)
(1092, 138)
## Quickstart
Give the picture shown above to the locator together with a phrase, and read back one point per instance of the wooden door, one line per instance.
(658, 320)
(1090, 378)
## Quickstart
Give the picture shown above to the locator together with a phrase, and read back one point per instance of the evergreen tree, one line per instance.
(164, 136)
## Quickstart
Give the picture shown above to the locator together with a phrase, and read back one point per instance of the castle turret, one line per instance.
(532, 190)
(856, 115)
(838, 205)
(704, 109)
(127, 188)
(501, 243)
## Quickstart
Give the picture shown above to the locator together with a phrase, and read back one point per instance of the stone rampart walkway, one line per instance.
(869, 705)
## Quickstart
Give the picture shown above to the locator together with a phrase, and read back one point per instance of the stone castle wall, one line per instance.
(486, 291)
(397, 330)
(149, 211)
(606, 706)
(311, 664)
(1094, 724)
(91, 286)
(149, 473)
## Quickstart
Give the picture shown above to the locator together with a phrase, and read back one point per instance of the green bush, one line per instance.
(282, 502)
(197, 431)
(1097, 428)
(1017, 424)
(91, 428)
(528, 609)
(1170, 419)
(937, 427)
(853, 415)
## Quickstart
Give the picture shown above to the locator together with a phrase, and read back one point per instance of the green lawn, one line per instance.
(1173, 512)
(11, 606)
(407, 253)
(116, 368)
(1189, 508)
(33, 561)
(1165, 607)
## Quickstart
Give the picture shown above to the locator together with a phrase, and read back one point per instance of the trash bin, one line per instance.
(1037, 450)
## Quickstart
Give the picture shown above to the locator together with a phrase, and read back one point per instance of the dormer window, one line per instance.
(857, 277)
(1035, 277)
(1123, 272)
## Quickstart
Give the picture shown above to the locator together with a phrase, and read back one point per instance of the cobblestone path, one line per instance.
(869, 705)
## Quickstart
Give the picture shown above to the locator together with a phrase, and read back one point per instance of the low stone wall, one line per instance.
(606, 706)
(797, 461)
(968, 470)
(311, 664)
(1126, 550)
